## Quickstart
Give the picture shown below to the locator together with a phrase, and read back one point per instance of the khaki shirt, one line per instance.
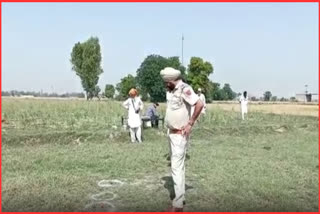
(179, 103)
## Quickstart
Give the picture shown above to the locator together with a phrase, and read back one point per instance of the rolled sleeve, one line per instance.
(189, 96)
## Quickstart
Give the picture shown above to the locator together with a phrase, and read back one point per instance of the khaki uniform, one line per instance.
(179, 103)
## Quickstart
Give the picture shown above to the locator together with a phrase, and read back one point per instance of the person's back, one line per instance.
(244, 104)
(203, 100)
(152, 113)
(243, 101)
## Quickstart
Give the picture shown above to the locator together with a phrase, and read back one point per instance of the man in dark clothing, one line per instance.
(152, 113)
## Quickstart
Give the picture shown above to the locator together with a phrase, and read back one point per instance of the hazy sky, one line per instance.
(253, 46)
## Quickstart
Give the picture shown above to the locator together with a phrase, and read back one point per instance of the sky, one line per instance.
(252, 46)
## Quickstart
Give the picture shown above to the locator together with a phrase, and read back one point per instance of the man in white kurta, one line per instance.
(134, 106)
(203, 100)
(243, 104)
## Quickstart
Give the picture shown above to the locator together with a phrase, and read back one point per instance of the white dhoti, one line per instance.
(134, 123)
(135, 133)
(244, 110)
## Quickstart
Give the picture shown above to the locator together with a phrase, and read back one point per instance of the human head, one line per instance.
(133, 92)
(170, 76)
(245, 94)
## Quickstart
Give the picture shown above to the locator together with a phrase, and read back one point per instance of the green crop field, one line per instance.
(56, 153)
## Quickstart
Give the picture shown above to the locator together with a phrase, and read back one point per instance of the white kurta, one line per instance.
(244, 104)
(133, 104)
(203, 100)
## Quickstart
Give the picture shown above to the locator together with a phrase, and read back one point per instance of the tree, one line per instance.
(148, 76)
(5, 93)
(143, 94)
(86, 60)
(293, 99)
(216, 93)
(283, 99)
(125, 85)
(274, 98)
(254, 98)
(209, 92)
(229, 94)
(267, 96)
(109, 91)
(96, 91)
(198, 73)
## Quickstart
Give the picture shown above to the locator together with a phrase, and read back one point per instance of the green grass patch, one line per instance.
(54, 153)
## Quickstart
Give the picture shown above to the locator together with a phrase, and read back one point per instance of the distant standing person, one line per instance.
(153, 114)
(134, 106)
(203, 100)
(244, 104)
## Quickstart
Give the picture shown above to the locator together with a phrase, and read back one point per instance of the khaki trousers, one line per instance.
(178, 144)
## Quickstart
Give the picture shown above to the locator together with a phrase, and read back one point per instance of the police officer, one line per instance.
(180, 99)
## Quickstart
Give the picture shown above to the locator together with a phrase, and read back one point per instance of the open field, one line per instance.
(277, 108)
(55, 153)
(290, 108)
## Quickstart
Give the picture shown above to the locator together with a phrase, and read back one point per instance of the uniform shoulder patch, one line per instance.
(188, 92)
(186, 89)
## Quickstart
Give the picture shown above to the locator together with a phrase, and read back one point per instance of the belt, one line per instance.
(175, 131)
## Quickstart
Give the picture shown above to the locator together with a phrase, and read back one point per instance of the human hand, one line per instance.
(186, 131)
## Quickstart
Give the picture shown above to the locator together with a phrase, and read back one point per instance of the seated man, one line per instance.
(152, 113)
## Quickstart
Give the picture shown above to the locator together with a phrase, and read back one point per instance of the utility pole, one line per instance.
(182, 51)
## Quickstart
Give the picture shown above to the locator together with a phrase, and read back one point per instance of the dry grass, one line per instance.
(290, 109)
(303, 109)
